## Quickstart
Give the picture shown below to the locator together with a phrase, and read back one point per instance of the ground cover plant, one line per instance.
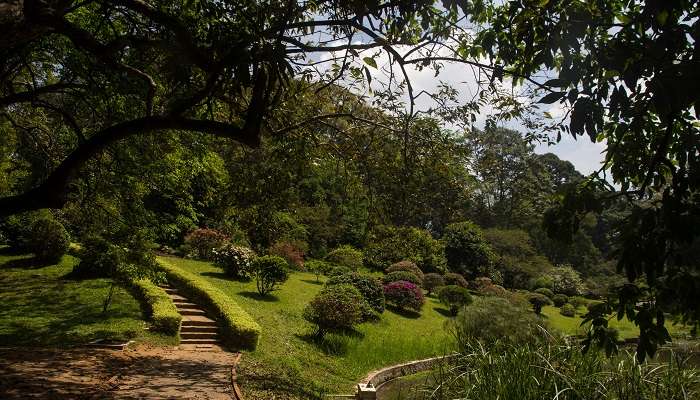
(290, 362)
(44, 307)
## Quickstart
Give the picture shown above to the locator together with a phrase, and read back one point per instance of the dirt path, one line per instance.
(140, 373)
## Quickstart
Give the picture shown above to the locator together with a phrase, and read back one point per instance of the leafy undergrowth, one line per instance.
(626, 328)
(289, 363)
(42, 308)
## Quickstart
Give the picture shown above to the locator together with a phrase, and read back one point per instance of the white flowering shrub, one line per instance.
(236, 261)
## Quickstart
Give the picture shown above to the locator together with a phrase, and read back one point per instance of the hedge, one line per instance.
(238, 329)
(159, 306)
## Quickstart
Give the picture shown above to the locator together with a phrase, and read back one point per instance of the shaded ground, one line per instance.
(141, 373)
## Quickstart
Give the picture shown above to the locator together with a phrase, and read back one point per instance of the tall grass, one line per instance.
(558, 371)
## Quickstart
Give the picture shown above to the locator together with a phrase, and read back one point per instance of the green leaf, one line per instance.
(370, 61)
(551, 98)
(555, 83)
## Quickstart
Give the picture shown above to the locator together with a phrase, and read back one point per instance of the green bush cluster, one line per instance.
(545, 292)
(239, 330)
(346, 256)
(567, 310)
(538, 301)
(560, 299)
(452, 278)
(432, 281)
(370, 288)
(335, 308)
(390, 244)
(160, 308)
(269, 271)
(466, 249)
(408, 266)
(454, 297)
(401, 276)
(38, 233)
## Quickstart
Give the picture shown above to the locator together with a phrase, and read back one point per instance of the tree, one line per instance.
(269, 271)
(466, 250)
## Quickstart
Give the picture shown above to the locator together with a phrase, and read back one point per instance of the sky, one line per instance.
(585, 155)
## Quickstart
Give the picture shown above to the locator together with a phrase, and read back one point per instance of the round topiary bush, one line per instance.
(346, 256)
(560, 299)
(432, 281)
(408, 266)
(401, 276)
(369, 286)
(538, 301)
(452, 278)
(404, 295)
(236, 261)
(202, 242)
(545, 292)
(334, 308)
(269, 271)
(454, 297)
(49, 240)
(567, 310)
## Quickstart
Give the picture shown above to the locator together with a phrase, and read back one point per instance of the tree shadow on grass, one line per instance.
(443, 312)
(311, 281)
(403, 313)
(260, 297)
(26, 263)
(332, 344)
(220, 275)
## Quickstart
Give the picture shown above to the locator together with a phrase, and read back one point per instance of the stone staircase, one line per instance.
(197, 330)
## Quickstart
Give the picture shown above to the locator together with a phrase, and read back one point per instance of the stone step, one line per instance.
(199, 341)
(191, 311)
(199, 328)
(197, 320)
(199, 335)
(176, 297)
(185, 304)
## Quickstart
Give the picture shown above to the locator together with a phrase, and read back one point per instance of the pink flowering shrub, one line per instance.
(203, 242)
(404, 295)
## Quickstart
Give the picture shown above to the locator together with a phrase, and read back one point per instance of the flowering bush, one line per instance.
(433, 281)
(335, 308)
(404, 295)
(203, 242)
(408, 266)
(455, 279)
(236, 261)
(401, 276)
(292, 252)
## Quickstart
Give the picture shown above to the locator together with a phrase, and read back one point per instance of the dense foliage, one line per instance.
(48, 240)
(432, 281)
(346, 256)
(493, 319)
(452, 278)
(454, 297)
(203, 242)
(269, 271)
(369, 287)
(466, 250)
(335, 308)
(404, 295)
(388, 245)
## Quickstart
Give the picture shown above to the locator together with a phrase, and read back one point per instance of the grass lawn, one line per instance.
(626, 328)
(41, 308)
(287, 353)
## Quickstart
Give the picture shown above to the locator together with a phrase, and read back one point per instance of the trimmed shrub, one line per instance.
(407, 266)
(544, 281)
(578, 301)
(269, 271)
(335, 308)
(452, 278)
(494, 290)
(466, 249)
(401, 276)
(346, 256)
(482, 282)
(236, 261)
(48, 240)
(291, 252)
(159, 307)
(545, 292)
(560, 299)
(432, 281)
(538, 301)
(404, 295)
(239, 330)
(454, 297)
(202, 242)
(567, 310)
(369, 286)
(492, 319)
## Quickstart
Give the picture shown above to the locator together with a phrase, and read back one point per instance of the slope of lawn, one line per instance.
(42, 308)
(626, 328)
(287, 355)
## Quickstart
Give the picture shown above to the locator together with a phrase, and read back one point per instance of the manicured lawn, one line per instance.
(288, 356)
(41, 308)
(572, 325)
